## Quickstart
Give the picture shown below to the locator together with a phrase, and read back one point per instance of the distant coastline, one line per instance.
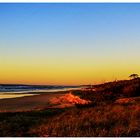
(17, 90)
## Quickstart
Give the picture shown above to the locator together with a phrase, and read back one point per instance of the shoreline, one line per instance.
(18, 94)
(29, 103)
(25, 94)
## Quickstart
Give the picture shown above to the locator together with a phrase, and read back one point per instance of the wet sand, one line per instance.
(28, 103)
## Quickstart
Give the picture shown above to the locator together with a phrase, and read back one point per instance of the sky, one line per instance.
(68, 43)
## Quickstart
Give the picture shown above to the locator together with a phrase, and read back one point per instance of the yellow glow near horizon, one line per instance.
(64, 72)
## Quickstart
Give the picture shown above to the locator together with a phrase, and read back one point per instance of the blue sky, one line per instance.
(74, 38)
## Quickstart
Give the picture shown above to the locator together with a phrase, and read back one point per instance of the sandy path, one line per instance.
(27, 102)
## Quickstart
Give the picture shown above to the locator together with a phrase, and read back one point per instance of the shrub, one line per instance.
(132, 90)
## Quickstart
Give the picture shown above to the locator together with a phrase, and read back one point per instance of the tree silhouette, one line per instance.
(134, 76)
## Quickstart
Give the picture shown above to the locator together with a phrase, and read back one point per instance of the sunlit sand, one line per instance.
(7, 96)
(39, 101)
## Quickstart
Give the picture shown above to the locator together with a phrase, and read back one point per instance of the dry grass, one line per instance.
(112, 120)
(67, 100)
(113, 112)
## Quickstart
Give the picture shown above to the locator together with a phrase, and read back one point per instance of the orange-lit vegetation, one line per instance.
(68, 100)
(114, 111)
(110, 120)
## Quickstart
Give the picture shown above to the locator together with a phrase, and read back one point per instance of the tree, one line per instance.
(134, 76)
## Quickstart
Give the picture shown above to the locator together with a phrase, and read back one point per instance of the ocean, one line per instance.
(13, 91)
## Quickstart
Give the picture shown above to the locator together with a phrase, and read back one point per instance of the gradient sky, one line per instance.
(68, 43)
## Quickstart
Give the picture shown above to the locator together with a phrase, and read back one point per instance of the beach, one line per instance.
(27, 103)
(41, 101)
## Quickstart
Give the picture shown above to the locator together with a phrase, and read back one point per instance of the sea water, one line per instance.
(14, 91)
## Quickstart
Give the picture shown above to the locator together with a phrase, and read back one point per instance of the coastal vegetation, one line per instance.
(113, 111)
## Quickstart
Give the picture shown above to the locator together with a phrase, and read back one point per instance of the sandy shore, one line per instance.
(28, 102)
(41, 101)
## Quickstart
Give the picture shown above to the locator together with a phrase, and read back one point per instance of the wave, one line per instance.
(33, 88)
